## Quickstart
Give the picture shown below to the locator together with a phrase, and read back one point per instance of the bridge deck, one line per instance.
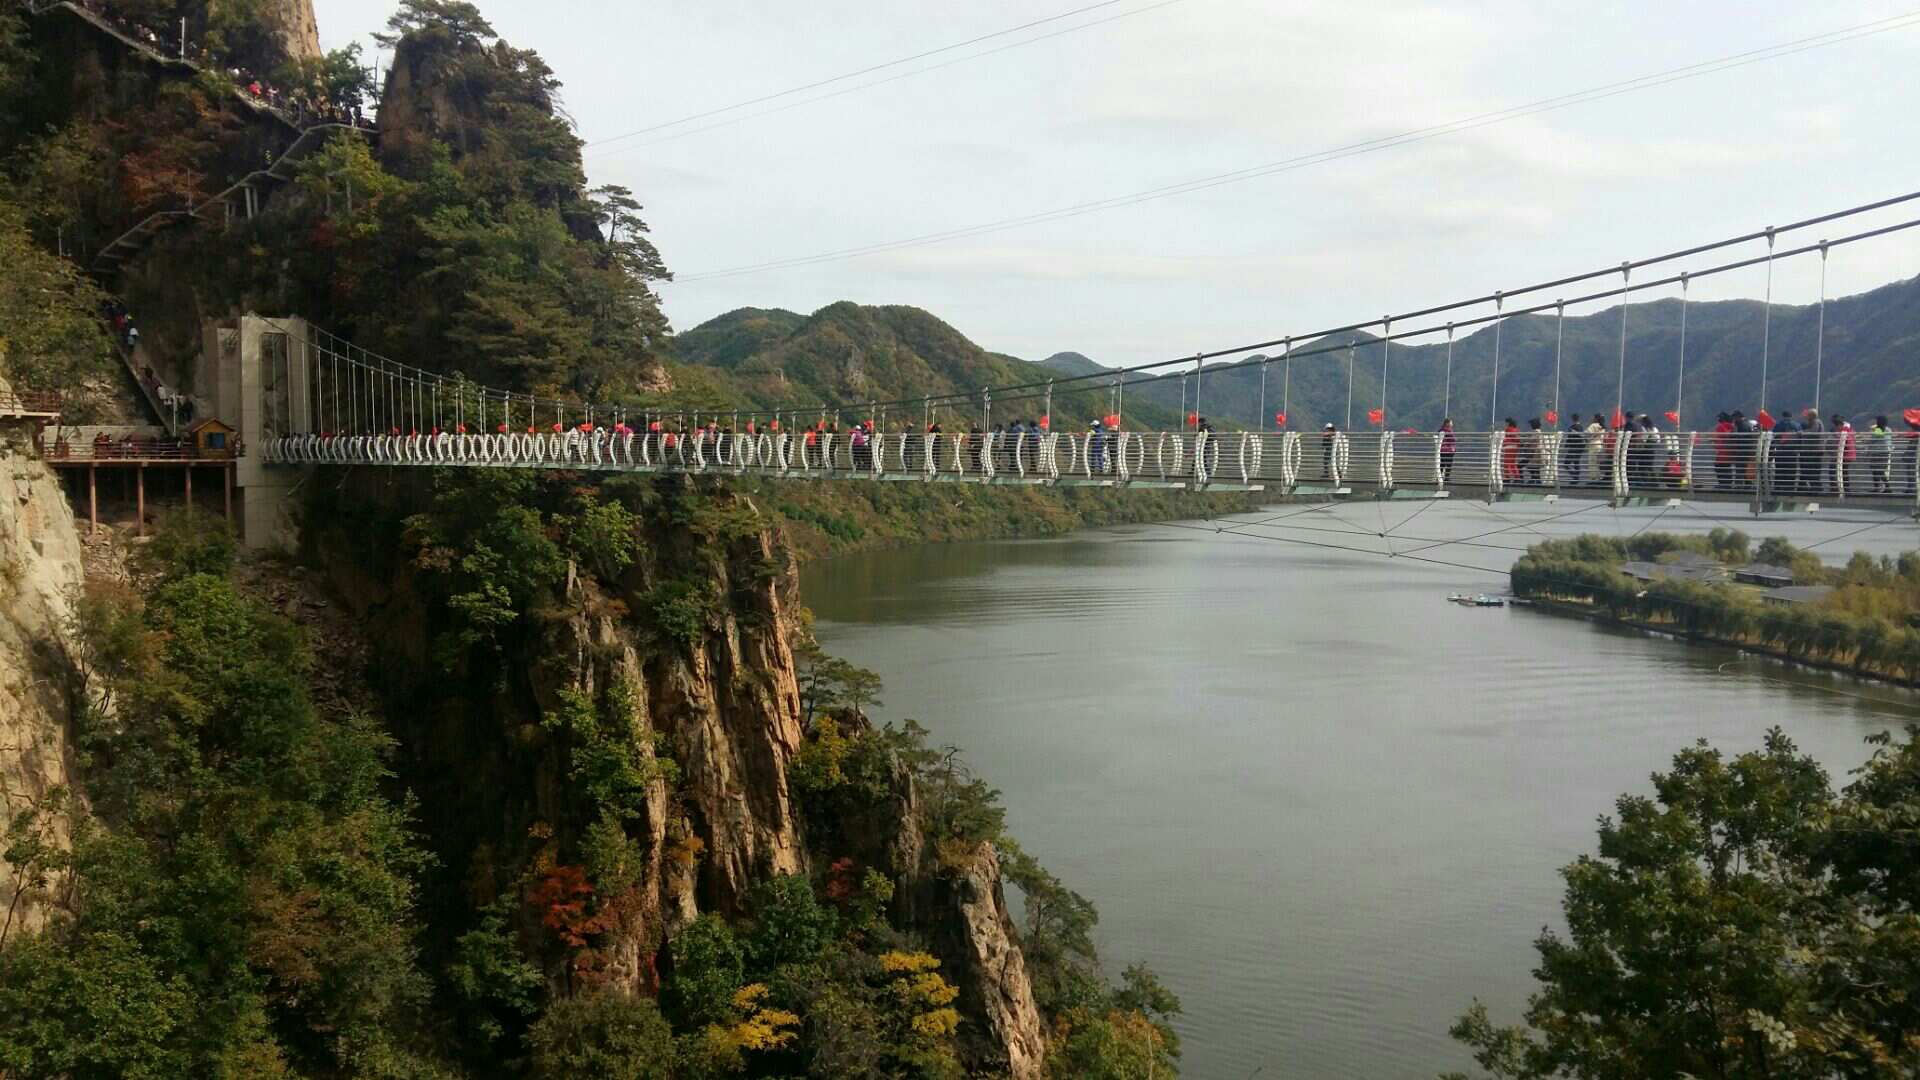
(1753, 470)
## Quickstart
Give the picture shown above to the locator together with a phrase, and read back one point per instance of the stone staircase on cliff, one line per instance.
(241, 198)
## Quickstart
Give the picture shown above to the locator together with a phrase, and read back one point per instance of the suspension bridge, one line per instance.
(295, 398)
(341, 405)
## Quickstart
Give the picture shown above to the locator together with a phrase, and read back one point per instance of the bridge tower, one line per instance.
(259, 376)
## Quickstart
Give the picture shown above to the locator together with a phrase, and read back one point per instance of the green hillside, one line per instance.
(847, 354)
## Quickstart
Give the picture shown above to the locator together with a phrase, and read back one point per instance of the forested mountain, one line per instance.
(1871, 365)
(848, 354)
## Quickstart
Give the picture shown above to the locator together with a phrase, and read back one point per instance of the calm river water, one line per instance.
(1325, 805)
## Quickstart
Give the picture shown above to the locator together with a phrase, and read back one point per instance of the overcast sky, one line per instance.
(1174, 91)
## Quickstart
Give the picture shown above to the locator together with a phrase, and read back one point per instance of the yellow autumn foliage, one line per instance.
(758, 1029)
(924, 996)
(895, 963)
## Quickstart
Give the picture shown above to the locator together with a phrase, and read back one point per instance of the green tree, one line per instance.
(1693, 936)
(790, 925)
(601, 1034)
(708, 967)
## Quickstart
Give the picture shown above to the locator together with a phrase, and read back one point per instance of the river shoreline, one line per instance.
(1569, 609)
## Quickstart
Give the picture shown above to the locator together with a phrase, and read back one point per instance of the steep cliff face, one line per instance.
(498, 776)
(496, 766)
(40, 571)
(962, 912)
(976, 936)
(294, 24)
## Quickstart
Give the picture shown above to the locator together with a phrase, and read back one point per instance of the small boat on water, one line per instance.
(1476, 600)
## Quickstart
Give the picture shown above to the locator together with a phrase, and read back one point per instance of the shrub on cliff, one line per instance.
(50, 332)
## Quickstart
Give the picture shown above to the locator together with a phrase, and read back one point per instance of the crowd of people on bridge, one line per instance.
(300, 106)
(1809, 455)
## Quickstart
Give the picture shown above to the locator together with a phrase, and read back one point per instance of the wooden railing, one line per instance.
(138, 449)
(29, 402)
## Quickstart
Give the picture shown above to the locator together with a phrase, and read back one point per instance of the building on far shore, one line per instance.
(1795, 594)
(1764, 574)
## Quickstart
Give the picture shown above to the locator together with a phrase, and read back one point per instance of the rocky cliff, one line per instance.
(40, 571)
(494, 763)
(296, 28)
(971, 930)
(482, 749)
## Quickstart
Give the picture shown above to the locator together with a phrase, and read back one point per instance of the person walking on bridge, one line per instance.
(1816, 457)
(1209, 445)
(1847, 452)
(1532, 453)
(1880, 455)
(1788, 440)
(1596, 450)
(1449, 447)
(1573, 451)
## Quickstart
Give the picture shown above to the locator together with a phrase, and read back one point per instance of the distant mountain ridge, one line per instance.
(1870, 365)
(848, 352)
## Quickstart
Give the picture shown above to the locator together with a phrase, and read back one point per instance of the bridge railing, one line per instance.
(137, 449)
(1786, 465)
(29, 402)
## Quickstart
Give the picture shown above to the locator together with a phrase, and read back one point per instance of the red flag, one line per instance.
(774, 426)
(556, 427)
(1193, 418)
(1673, 418)
(1113, 420)
(1280, 419)
(1376, 416)
(1046, 422)
(1912, 416)
(1553, 417)
(1619, 418)
(503, 429)
(1765, 420)
(750, 428)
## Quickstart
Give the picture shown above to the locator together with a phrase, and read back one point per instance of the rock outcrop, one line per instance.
(292, 24)
(40, 573)
(964, 914)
